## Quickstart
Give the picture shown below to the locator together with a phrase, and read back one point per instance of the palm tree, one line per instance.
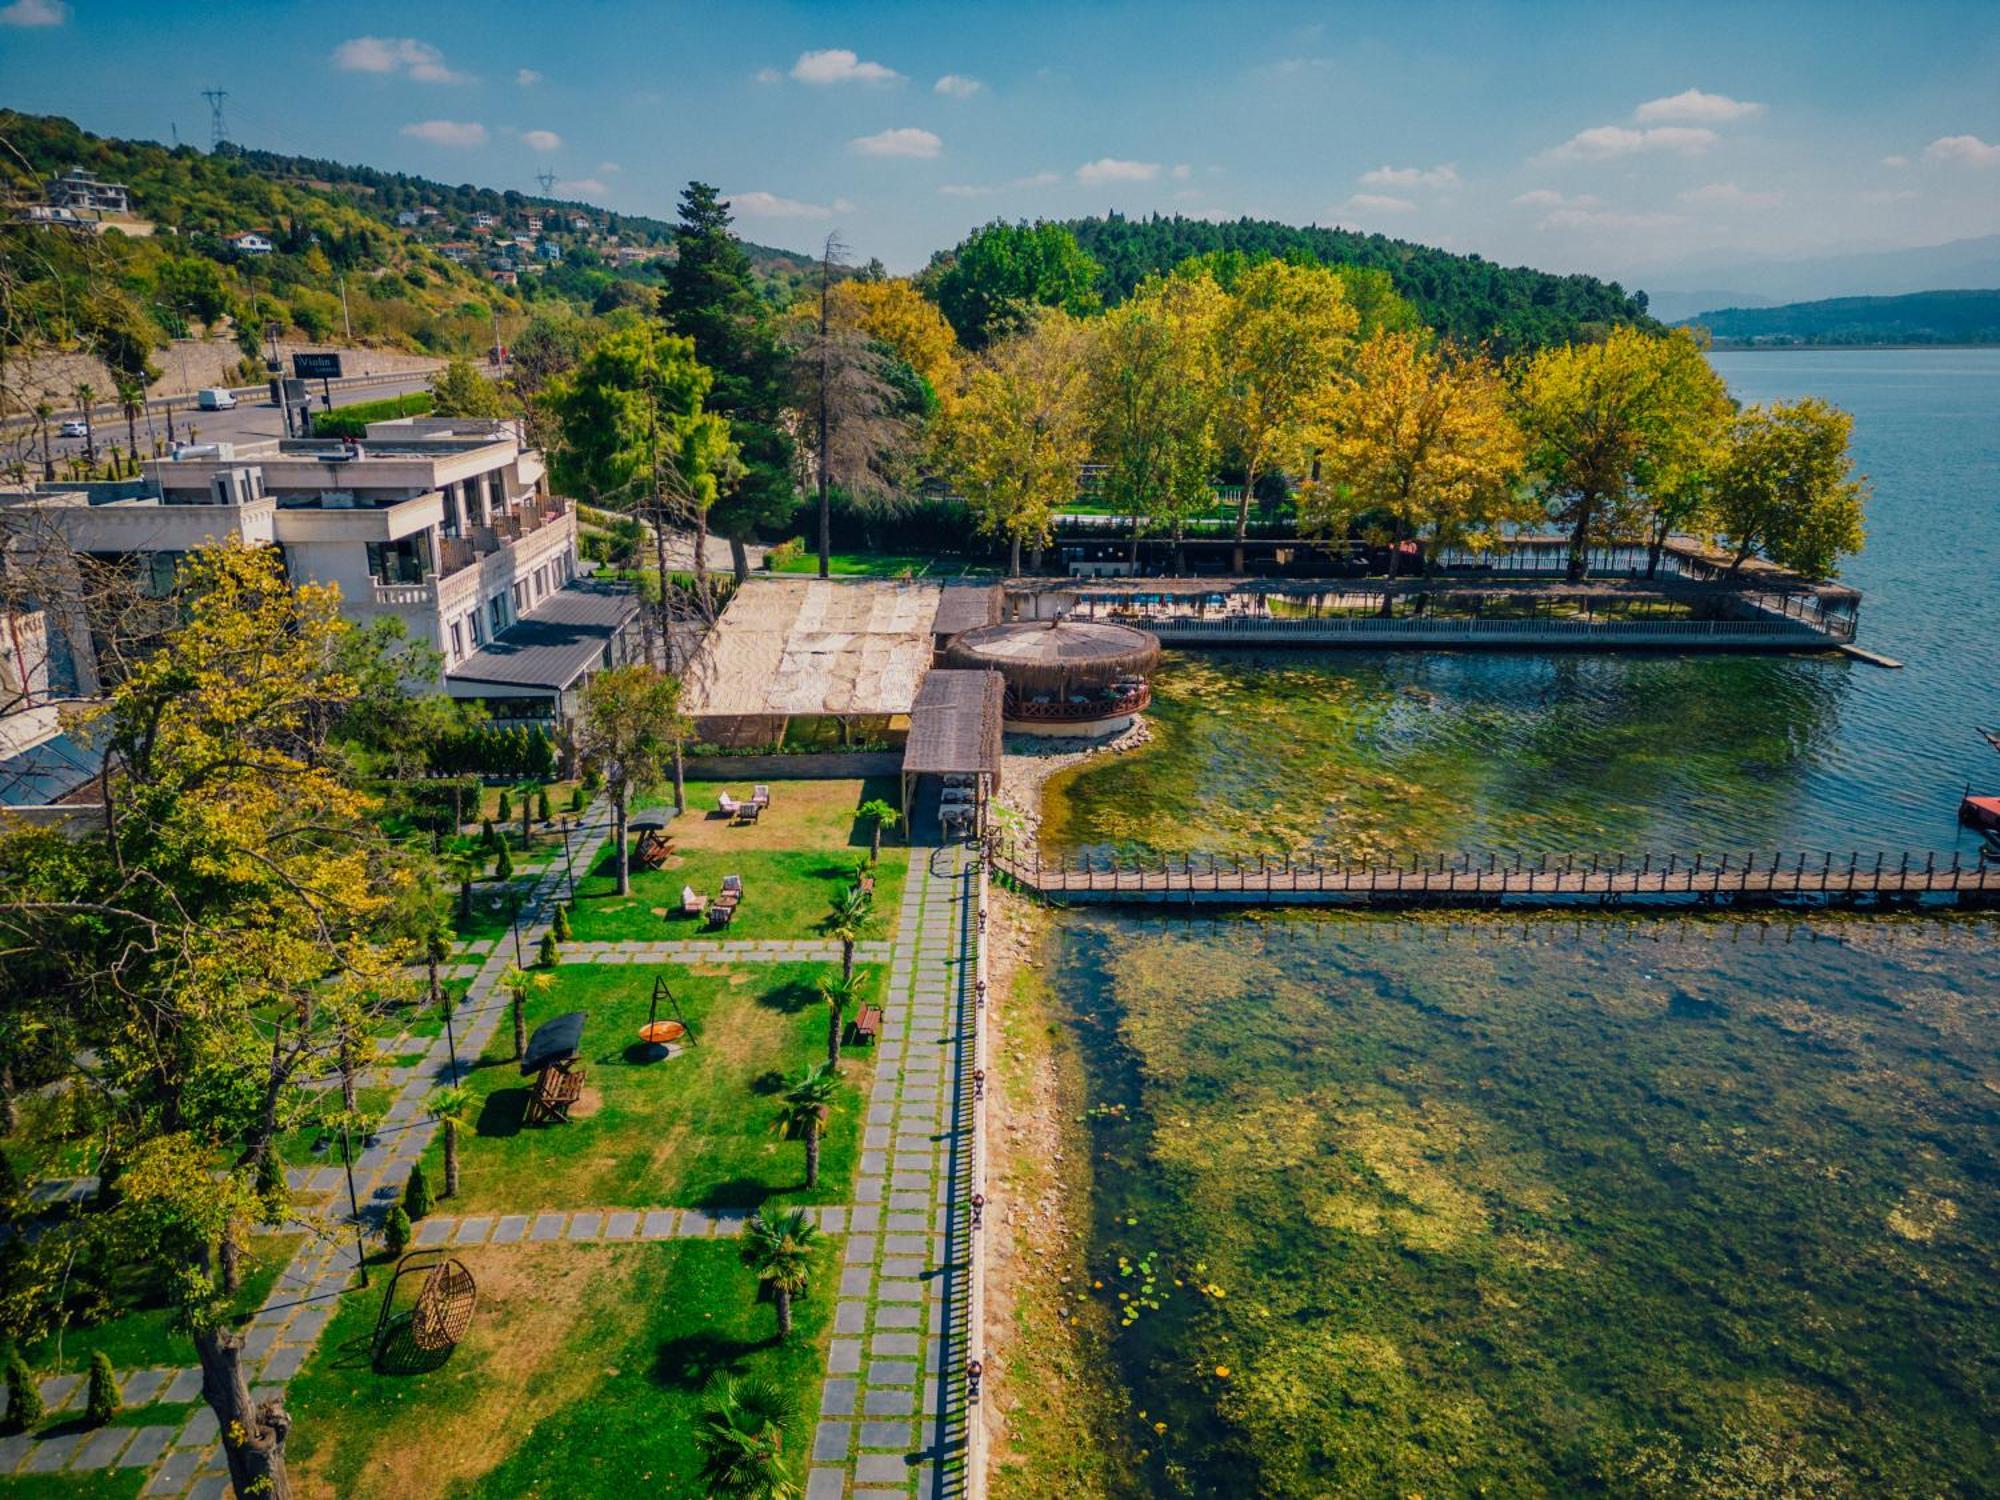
(519, 983)
(838, 994)
(780, 1252)
(883, 815)
(742, 1441)
(847, 920)
(805, 1109)
(86, 396)
(132, 397)
(450, 1107)
(43, 411)
(466, 865)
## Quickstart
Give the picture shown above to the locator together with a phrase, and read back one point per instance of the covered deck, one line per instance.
(955, 742)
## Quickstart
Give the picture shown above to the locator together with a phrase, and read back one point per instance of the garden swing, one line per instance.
(425, 1336)
(659, 1035)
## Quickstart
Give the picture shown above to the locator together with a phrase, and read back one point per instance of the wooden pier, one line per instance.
(1731, 880)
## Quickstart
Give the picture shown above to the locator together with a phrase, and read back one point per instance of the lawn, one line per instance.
(693, 1130)
(794, 861)
(140, 1334)
(584, 1374)
(867, 564)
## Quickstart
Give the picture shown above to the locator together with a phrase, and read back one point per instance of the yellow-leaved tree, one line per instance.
(1786, 488)
(895, 313)
(1419, 437)
(1017, 436)
(1282, 335)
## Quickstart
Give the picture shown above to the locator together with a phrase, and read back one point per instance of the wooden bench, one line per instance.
(556, 1090)
(867, 1024)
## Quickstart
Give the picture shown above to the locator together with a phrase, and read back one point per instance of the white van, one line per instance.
(214, 398)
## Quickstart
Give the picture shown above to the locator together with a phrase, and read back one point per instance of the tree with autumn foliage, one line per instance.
(1019, 432)
(1419, 437)
(895, 314)
(1787, 489)
(217, 937)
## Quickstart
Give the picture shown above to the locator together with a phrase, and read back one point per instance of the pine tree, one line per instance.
(576, 799)
(417, 1197)
(542, 810)
(559, 928)
(486, 832)
(105, 1397)
(549, 954)
(505, 812)
(396, 1231)
(25, 1408)
(503, 863)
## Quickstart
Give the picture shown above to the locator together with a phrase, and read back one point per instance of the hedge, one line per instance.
(528, 753)
(352, 421)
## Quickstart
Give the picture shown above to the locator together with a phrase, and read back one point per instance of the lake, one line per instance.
(1399, 753)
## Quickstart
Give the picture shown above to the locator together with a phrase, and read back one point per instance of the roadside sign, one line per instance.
(316, 366)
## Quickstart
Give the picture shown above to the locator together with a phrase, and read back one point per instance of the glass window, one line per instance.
(496, 608)
(457, 640)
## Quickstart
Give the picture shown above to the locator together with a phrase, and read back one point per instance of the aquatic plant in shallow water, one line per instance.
(1547, 1206)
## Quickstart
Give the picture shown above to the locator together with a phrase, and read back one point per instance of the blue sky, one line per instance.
(1618, 138)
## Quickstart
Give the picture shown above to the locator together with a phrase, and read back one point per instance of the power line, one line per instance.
(218, 132)
(548, 182)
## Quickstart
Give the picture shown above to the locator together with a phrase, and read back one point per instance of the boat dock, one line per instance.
(1741, 880)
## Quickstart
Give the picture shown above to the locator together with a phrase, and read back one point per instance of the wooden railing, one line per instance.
(1080, 711)
(1604, 630)
(1474, 879)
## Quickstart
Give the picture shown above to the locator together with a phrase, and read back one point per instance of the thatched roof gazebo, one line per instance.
(1063, 676)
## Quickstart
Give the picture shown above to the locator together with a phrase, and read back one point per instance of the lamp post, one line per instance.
(569, 866)
(353, 1200)
(514, 919)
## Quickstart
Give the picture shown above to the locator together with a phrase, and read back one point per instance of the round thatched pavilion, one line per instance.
(1070, 677)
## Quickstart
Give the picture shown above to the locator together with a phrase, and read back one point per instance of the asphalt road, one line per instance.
(250, 422)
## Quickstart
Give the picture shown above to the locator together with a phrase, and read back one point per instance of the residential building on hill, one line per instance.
(82, 191)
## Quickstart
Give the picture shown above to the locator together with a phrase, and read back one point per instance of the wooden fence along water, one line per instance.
(1748, 879)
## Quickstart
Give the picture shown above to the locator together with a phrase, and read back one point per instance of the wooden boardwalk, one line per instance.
(1466, 880)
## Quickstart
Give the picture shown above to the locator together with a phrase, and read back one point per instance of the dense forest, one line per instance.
(1971, 317)
(1463, 296)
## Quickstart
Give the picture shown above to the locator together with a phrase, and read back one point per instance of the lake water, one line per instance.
(1654, 1207)
(1400, 753)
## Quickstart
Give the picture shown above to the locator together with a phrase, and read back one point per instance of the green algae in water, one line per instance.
(1548, 1207)
(1387, 755)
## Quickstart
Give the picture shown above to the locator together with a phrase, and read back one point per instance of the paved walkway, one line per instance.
(892, 1410)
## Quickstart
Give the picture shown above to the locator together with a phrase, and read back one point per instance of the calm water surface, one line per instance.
(1403, 753)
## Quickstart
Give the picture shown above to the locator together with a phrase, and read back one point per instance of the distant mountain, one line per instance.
(1873, 273)
(1465, 296)
(1970, 317)
(1679, 307)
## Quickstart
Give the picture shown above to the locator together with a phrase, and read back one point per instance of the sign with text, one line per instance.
(316, 366)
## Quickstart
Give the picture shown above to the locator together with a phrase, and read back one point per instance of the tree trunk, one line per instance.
(451, 1158)
(833, 1020)
(1132, 555)
(527, 827)
(1579, 539)
(10, 1112)
(1243, 516)
(1395, 566)
(875, 844)
(701, 564)
(618, 840)
(465, 900)
(847, 958)
(230, 1257)
(520, 1025)
(1014, 557)
(680, 778)
(812, 1158)
(739, 558)
(253, 1438)
(784, 1300)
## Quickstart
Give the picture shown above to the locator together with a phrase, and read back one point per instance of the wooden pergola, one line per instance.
(955, 730)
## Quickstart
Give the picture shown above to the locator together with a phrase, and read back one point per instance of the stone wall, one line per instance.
(852, 765)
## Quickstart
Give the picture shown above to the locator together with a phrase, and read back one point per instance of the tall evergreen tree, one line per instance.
(712, 297)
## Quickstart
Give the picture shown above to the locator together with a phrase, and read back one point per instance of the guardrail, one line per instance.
(1446, 630)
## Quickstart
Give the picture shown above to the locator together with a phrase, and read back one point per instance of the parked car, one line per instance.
(76, 427)
(214, 399)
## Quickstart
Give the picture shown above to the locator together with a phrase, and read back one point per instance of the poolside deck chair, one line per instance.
(693, 902)
(761, 797)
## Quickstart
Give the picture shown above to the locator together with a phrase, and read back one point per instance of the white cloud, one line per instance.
(1181, 172)
(1550, 198)
(1111, 169)
(1607, 218)
(34, 13)
(762, 205)
(768, 75)
(1895, 161)
(581, 187)
(394, 54)
(608, 169)
(447, 133)
(905, 141)
(1376, 203)
(1693, 107)
(838, 65)
(527, 77)
(1729, 193)
(1966, 150)
(1407, 177)
(957, 86)
(541, 140)
(1602, 142)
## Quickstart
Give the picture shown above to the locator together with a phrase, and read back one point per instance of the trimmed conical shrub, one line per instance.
(503, 864)
(105, 1397)
(396, 1230)
(560, 926)
(505, 812)
(25, 1408)
(417, 1197)
(550, 953)
(542, 809)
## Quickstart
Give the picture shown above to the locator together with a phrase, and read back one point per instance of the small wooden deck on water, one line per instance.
(1472, 880)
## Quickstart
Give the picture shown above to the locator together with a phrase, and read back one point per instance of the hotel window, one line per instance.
(496, 608)
(520, 597)
(478, 635)
(457, 641)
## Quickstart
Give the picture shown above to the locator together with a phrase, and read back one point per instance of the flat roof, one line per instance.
(966, 606)
(955, 724)
(555, 642)
(803, 646)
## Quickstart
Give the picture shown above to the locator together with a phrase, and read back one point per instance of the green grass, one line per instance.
(483, 921)
(295, 1145)
(692, 1130)
(115, 1484)
(867, 564)
(140, 1333)
(584, 1374)
(794, 861)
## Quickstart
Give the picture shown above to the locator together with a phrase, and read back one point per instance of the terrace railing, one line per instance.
(1608, 630)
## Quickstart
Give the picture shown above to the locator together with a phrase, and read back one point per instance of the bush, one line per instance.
(24, 1396)
(542, 810)
(418, 1199)
(576, 798)
(505, 812)
(559, 928)
(352, 421)
(503, 863)
(396, 1231)
(525, 753)
(487, 838)
(550, 953)
(105, 1397)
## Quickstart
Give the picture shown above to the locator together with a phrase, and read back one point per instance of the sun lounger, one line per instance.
(693, 903)
(761, 797)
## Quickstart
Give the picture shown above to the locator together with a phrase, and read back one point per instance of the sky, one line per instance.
(1629, 140)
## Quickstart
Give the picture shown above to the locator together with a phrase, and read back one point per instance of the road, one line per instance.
(252, 421)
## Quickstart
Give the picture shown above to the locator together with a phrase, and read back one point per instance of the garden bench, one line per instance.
(867, 1023)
